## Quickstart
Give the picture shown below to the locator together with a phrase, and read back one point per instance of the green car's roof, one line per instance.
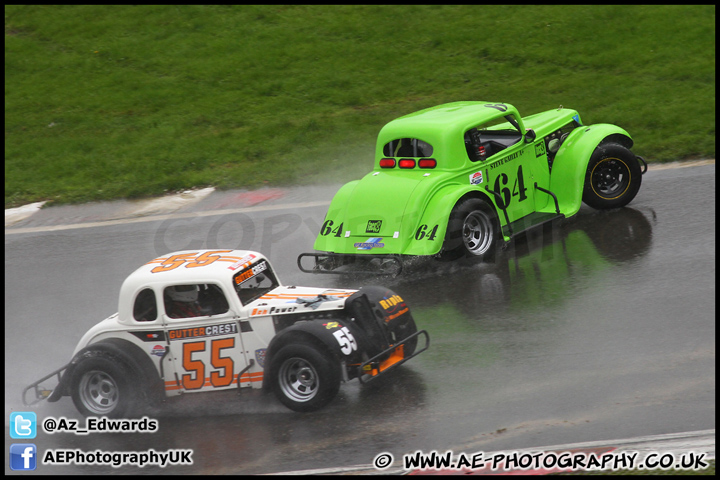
(455, 117)
(443, 126)
(453, 113)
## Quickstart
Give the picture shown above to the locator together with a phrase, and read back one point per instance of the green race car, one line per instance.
(459, 178)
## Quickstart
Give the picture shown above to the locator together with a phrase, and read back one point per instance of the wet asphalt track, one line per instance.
(598, 329)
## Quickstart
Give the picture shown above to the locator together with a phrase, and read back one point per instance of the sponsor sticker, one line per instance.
(375, 242)
(373, 226)
(150, 336)
(158, 350)
(201, 332)
(272, 310)
(476, 178)
(389, 302)
(260, 356)
(394, 306)
(243, 262)
(250, 272)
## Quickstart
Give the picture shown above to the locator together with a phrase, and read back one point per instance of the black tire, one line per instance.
(613, 177)
(102, 385)
(472, 231)
(304, 378)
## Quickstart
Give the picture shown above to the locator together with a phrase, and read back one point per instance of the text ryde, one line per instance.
(390, 302)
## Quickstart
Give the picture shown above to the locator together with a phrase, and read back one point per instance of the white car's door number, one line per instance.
(346, 340)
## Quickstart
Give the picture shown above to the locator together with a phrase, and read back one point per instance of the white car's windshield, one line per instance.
(254, 281)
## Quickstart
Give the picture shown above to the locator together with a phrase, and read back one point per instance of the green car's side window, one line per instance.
(488, 139)
(407, 147)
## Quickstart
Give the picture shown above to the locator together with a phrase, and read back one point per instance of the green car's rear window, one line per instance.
(407, 147)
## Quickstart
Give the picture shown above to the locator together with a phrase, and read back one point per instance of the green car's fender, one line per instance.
(427, 235)
(570, 165)
(337, 210)
(424, 218)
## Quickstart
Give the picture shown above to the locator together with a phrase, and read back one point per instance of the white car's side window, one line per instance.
(194, 300)
(145, 308)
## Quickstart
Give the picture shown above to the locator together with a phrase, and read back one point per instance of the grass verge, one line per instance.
(106, 102)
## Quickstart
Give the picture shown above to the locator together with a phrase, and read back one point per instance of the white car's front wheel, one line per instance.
(305, 378)
(101, 385)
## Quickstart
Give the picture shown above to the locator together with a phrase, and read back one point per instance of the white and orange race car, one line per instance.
(208, 320)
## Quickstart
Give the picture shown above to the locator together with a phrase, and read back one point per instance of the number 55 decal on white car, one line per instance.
(346, 340)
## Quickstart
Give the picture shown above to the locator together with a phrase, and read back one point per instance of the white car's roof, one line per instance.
(189, 266)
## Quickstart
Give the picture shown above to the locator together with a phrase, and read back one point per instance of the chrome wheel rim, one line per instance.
(298, 379)
(477, 232)
(99, 392)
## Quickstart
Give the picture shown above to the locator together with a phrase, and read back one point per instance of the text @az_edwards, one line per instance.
(100, 425)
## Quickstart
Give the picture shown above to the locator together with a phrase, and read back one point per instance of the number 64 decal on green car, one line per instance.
(460, 178)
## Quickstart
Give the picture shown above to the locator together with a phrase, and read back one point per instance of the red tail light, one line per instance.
(387, 163)
(407, 163)
(427, 163)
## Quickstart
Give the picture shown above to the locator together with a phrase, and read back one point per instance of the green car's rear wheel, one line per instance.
(472, 230)
(613, 177)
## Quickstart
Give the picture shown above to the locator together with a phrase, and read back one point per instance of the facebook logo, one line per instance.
(23, 456)
(23, 425)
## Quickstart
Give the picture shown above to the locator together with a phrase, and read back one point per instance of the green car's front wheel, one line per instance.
(613, 177)
(472, 230)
